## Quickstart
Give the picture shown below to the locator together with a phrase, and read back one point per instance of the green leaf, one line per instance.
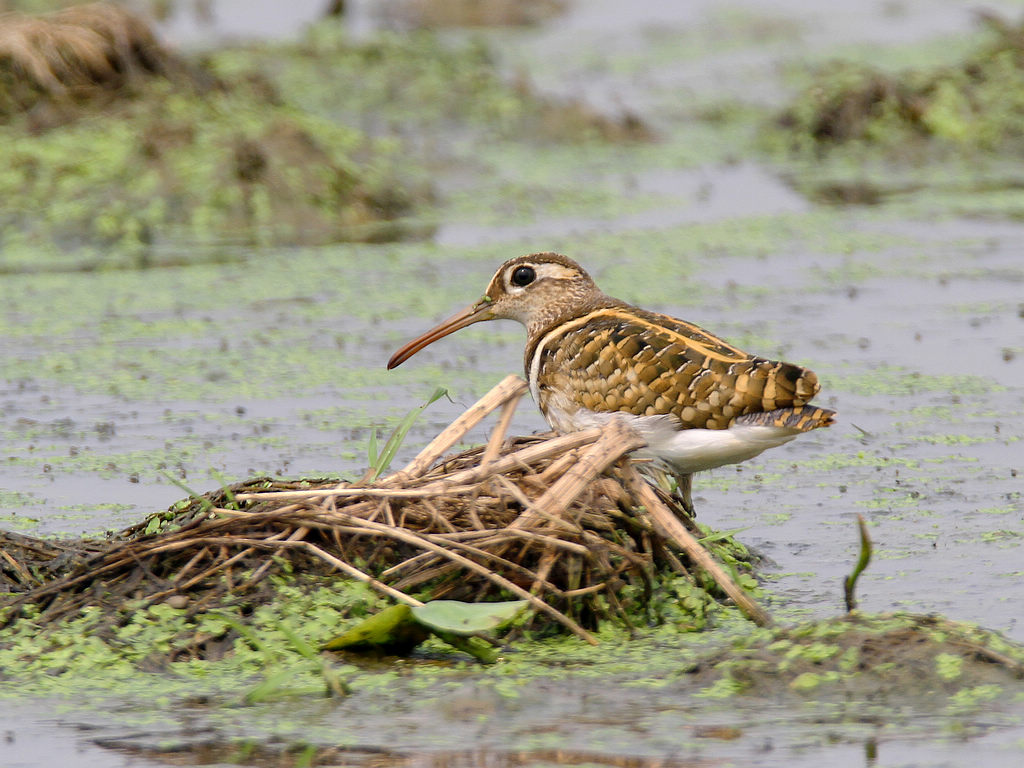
(850, 584)
(720, 535)
(398, 436)
(393, 630)
(298, 643)
(457, 618)
(272, 686)
(371, 449)
(231, 503)
(204, 502)
(479, 649)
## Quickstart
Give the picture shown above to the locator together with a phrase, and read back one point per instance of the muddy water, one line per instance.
(914, 322)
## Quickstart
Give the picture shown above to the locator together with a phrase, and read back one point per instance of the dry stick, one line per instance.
(509, 387)
(558, 467)
(226, 563)
(597, 542)
(540, 579)
(190, 564)
(677, 532)
(616, 439)
(424, 543)
(297, 535)
(493, 449)
(675, 563)
(537, 512)
(547, 562)
(431, 573)
(457, 482)
(487, 538)
(355, 573)
(585, 590)
(474, 518)
(509, 534)
(415, 560)
(523, 457)
(383, 493)
(389, 516)
(439, 520)
(25, 576)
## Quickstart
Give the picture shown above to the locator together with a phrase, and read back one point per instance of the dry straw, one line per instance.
(73, 54)
(565, 522)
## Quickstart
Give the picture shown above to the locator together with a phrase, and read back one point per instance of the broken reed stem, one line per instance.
(559, 466)
(524, 457)
(355, 573)
(23, 574)
(677, 532)
(509, 387)
(493, 449)
(616, 440)
(297, 535)
(530, 507)
(203, 552)
(385, 493)
(455, 483)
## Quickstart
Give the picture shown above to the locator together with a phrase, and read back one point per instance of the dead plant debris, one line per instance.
(75, 55)
(440, 14)
(226, 751)
(976, 102)
(564, 522)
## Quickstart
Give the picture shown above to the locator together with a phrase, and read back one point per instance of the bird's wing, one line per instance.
(627, 359)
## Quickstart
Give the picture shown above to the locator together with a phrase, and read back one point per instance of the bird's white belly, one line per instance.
(683, 450)
(694, 450)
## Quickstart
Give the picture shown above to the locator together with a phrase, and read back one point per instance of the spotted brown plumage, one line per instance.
(624, 359)
(699, 401)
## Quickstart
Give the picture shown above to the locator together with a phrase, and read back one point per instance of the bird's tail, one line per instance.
(803, 418)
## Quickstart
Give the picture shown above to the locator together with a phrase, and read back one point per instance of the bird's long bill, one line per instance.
(472, 314)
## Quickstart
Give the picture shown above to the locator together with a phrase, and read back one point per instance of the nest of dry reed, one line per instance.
(565, 522)
(75, 55)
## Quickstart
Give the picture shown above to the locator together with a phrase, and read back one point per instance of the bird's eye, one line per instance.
(523, 276)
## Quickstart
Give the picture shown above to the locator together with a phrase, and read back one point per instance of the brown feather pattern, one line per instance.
(625, 359)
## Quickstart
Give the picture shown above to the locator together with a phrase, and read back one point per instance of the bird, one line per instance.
(698, 401)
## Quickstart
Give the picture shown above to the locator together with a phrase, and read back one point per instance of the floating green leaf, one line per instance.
(479, 649)
(393, 630)
(444, 616)
(399, 629)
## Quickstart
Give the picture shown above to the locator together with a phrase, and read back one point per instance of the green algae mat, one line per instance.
(270, 591)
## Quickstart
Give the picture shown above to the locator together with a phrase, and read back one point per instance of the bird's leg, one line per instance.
(684, 492)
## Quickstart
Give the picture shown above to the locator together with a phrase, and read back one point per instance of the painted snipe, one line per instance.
(699, 401)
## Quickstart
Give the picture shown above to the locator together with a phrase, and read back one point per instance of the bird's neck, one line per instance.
(552, 315)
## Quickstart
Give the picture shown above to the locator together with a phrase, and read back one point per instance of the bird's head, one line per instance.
(538, 290)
